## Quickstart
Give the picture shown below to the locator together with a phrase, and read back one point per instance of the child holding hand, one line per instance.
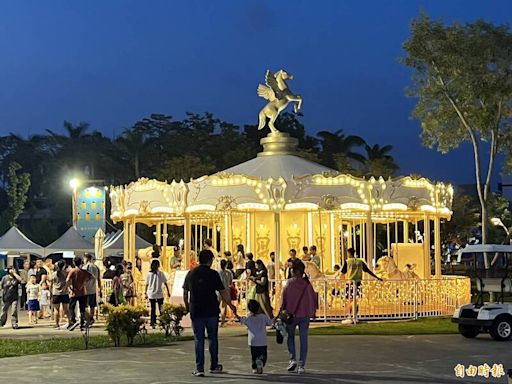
(256, 324)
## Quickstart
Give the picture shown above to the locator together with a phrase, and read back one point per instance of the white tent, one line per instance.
(117, 245)
(480, 248)
(14, 241)
(71, 240)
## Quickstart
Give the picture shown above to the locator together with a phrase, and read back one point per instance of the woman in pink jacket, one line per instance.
(300, 299)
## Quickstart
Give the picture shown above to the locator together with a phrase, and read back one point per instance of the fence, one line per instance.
(389, 299)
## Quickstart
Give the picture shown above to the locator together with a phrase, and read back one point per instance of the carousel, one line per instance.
(279, 201)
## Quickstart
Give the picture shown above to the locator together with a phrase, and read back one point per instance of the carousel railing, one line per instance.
(389, 299)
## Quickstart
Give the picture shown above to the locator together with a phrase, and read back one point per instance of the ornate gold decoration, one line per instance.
(293, 236)
(278, 94)
(225, 203)
(262, 241)
(144, 208)
(329, 202)
(413, 203)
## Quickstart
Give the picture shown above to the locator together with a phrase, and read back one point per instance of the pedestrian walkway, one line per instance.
(332, 359)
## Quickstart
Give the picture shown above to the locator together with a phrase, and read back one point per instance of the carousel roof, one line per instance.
(280, 180)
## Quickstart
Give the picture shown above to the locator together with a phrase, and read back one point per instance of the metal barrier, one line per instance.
(389, 299)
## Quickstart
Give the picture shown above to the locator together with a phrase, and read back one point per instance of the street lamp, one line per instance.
(74, 183)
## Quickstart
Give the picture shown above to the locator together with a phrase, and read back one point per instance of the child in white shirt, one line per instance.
(256, 324)
(32, 299)
(44, 300)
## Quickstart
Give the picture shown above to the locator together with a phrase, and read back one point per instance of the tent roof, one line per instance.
(118, 244)
(15, 241)
(71, 240)
(479, 248)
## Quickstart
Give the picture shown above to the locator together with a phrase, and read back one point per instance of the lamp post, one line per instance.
(74, 183)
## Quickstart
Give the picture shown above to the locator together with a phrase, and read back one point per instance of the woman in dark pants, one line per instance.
(154, 292)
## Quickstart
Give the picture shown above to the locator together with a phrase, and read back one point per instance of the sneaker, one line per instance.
(15, 326)
(292, 365)
(301, 370)
(198, 373)
(73, 326)
(65, 325)
(217, 369)
(254, 371)
(348, 321)
(56, 327)
(259, 366)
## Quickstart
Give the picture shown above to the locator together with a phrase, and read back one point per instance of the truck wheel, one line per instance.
(469, 331)
(501, 329)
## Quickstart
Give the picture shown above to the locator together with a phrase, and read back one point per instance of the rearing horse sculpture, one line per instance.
(278, 94)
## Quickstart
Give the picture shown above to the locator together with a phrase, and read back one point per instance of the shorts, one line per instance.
(349, 289)
(60, 299)
(33, 305)
(91, 301)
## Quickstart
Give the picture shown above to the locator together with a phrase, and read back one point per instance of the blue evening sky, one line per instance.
(111, 63)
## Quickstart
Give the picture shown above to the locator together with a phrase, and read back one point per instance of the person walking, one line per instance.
(128, 283)
(24, 274)
(353, 270)
(116, 296)
(262, 295)
(93, 286)
(9, 285)
(155, 280)
(226, 277)
(256, 324)
(60, 293)
(315, 257)
(76, 280)
(300, 302)
(200, 297)
(239, 261)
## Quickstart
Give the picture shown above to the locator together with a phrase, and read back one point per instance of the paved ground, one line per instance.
(332, 359)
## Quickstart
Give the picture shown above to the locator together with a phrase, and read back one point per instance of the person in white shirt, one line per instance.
(155, 280)
(256, 324)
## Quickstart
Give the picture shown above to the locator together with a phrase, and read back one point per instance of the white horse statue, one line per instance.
(312, 270)
(388, 270)
(278, 94)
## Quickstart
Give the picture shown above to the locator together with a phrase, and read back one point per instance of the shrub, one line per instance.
(123, 320)
(170, 319)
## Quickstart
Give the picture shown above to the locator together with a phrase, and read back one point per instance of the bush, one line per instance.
(170, 319)
(123, 320)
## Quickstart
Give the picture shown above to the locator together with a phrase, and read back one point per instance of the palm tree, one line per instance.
(133, 142)
(379, 162)
(337, 144)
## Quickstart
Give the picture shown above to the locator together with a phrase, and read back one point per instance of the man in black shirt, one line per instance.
(200, 297)
(9, 285)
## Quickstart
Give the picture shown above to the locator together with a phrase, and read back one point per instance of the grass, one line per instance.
(13, 347)
(434, 326)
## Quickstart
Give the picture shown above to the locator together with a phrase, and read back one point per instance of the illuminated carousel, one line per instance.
(278, 201)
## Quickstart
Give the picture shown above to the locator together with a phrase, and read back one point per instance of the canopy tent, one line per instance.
(480, 248)
(117, 245)
(14, 241)
(71, 240)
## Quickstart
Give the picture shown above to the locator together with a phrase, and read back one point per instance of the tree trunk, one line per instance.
(484, 232)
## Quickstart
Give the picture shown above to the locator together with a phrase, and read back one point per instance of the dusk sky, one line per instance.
(111, 63)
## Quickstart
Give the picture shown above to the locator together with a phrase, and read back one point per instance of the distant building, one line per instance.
(505, 187)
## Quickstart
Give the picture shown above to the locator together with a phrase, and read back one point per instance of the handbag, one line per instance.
(233, 292)
(289, 317)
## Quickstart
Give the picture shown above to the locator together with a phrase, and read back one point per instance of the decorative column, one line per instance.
(406, 231)
(426, 242)
(333, 245)
(437, 246)
(133, 226)
(369, 238)
(187, 244)
(126, 239)
(277, 235)
(158, 234)
(165, 258)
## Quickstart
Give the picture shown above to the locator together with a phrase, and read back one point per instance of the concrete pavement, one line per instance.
(332, 359)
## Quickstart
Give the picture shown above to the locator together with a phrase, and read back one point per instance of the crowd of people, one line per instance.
(48, 290)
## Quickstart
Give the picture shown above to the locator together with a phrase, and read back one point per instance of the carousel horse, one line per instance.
(312, 270)
(388, 270)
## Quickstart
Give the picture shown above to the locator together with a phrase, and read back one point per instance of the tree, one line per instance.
(463, 82)
(337, 143)
(379, 162)
(17, 189)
